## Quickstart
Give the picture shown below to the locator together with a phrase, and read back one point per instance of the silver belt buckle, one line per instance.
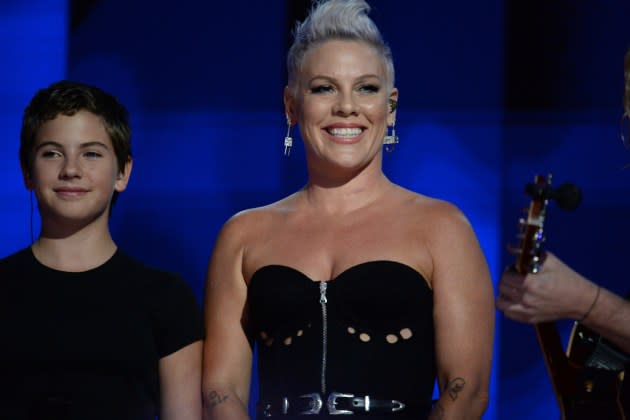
(398, 405)
(331, 403)
(267, 410)
(315, 403)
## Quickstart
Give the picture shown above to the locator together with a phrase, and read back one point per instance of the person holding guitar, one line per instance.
(587, 377)
(558, 292)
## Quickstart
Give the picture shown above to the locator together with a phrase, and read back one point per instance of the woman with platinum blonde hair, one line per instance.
(356, 292)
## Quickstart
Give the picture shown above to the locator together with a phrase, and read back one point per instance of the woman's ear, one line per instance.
(289, 106)
(392, 105)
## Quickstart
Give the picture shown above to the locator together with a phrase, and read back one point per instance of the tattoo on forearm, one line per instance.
(454, 387)
(214, 398)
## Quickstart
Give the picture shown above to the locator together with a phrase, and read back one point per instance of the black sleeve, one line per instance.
(177, 320)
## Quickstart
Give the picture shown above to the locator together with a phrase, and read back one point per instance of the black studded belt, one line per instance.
(335, 403)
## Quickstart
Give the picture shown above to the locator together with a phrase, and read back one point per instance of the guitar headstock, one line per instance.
(530, 253)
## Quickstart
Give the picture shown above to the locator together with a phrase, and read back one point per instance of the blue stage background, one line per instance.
(491, 93)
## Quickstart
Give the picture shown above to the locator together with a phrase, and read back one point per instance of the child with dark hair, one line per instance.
(88, 332)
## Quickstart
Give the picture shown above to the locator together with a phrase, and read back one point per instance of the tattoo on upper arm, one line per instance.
(454, 387)
(214, 398)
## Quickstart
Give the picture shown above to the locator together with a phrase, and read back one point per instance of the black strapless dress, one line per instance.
(367, 332)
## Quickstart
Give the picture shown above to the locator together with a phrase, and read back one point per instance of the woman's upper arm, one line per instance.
(180, 384)
(463, 308)
(227, 352)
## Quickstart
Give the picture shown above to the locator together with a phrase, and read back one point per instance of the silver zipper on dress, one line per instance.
(323, 301)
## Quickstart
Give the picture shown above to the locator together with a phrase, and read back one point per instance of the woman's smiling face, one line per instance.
(341, 103)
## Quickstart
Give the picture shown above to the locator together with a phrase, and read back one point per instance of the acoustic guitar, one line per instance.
(587, 378)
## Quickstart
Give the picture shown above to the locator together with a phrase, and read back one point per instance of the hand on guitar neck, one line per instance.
(558, 292)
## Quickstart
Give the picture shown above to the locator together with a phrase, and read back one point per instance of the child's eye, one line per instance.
(92, 154)
(322, 89)
(50, 154)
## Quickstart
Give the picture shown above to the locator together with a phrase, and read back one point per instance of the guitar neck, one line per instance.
(563, 375)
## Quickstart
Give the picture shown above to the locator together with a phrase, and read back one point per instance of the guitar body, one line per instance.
(593, 405)
(601, 390)
(588, 383)
(597, 394)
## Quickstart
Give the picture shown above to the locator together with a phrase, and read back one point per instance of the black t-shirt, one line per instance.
(87, 345)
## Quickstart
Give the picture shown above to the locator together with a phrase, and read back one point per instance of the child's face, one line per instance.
(74, 172)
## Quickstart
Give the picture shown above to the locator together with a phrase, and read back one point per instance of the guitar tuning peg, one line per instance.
(534, 268)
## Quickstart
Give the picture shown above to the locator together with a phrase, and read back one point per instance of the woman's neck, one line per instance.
(346, 195)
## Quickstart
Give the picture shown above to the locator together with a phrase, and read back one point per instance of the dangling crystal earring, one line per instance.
(390, 140)
(288, 140)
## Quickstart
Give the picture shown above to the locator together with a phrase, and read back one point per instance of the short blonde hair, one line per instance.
(336, 19)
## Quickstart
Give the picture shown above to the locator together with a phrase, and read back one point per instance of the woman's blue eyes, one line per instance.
(368, 88)
(321, 89)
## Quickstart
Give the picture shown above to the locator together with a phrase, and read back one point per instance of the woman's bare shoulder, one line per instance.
(252, 222)
(423, 207)
(435, 220)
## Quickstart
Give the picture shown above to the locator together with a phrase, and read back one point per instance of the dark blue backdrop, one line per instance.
(490, 94)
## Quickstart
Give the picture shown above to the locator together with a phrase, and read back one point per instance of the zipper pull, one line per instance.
(322, 292)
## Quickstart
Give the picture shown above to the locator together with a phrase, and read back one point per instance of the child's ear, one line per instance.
(122, 179)
(26, 176)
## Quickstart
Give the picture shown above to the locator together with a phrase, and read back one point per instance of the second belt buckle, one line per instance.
(315, 404)
(331, 403)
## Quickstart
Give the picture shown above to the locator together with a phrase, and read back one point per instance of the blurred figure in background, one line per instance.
(559, 292)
